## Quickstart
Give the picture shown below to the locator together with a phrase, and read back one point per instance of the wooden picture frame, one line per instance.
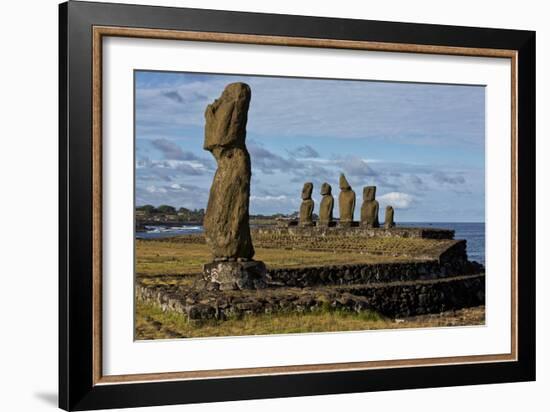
(82, 27)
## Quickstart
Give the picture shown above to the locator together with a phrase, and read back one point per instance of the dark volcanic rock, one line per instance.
(394, 299)
(451, 263)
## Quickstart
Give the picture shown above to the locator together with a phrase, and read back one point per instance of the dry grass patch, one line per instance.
(175, 257)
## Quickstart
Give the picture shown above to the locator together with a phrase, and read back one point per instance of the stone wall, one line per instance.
(373, 273)
(395, 299)
(407, 232)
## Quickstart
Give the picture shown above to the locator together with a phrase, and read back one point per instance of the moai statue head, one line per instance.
(307, 190)
(344, 185)
(369, 193)
(226, 119)
(326, 189)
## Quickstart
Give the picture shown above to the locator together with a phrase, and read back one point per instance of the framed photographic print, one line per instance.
(258, 205)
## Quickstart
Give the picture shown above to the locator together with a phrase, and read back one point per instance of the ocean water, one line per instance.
(156, 232)
(474, 233)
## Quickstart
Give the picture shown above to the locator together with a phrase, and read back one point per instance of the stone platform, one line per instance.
(447, 281)
(371, 273)
(428, 273)
(448, 260)
(357, 231)
(235, 275)
(392, 299)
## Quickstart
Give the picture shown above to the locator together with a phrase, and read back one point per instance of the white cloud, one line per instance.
(397, 199)
(189, 167)
(177, 186)
(177, 195)
(268, 198)
(155, 189)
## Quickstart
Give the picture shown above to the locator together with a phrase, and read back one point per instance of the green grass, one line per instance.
(177, 256)
(153, 323)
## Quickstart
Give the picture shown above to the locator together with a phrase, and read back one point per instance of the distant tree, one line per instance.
(147, 208)
(166, 209)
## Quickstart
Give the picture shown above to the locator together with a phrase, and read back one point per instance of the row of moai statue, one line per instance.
(346, 204)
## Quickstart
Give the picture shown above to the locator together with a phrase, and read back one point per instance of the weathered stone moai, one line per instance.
(388, 218)
(327, 205)
(346, 202)
(226, 224)
(369, 208)
(306, 208)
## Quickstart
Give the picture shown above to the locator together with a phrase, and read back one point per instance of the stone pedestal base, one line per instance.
(236, 275)
(370, 225)
(348, 223)
(322, 223)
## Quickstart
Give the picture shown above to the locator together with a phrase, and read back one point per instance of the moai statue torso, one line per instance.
(369, 208)
(226, 223)
(306, 208)
(346, 202)
(388, 219)
(327, 205)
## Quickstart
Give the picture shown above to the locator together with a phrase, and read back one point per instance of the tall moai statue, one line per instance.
(369, 208)
(346, 202)
(226, 222)
(306, 208)
(327, 205)
(388, 218)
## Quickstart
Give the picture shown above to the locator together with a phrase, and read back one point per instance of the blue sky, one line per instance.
(422, 145)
